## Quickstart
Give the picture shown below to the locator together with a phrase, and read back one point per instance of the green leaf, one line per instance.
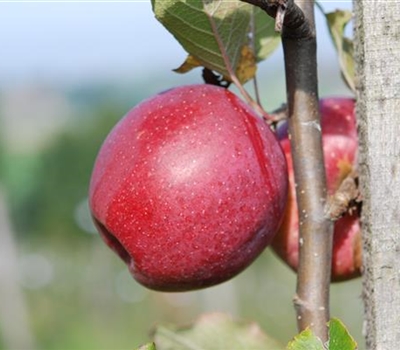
(266, 39)
(339, 337)
(215, 331)
(190, 63)
(337, 22)
(306, 340)
(217, 33)
(149, 346)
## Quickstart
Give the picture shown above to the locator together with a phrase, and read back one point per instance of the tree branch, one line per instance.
(315, 245)
(287, 14)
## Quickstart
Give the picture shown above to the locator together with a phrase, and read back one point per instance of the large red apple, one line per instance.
(340, 144)
(189, 188)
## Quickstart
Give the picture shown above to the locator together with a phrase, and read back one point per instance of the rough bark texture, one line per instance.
(378, 107)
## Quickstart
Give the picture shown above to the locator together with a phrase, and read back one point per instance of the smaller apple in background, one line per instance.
(340, 145)
(189, 188)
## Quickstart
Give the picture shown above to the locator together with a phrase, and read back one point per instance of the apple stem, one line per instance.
(316, 229)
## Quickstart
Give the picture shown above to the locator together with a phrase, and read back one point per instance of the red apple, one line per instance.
(340, 144)
(189, 188)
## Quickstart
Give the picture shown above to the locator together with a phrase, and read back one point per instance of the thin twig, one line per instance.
(280, 113)
(319, 7)
(341, 201)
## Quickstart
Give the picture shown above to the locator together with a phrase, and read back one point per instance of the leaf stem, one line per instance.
(319, 6)
(253, 46)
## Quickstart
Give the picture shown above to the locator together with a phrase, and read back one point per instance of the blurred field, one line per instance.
(76, 294)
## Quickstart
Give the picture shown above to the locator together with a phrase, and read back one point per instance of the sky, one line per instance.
(70, 41)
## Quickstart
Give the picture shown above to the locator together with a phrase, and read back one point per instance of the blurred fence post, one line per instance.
(14, 325)
(377, 29)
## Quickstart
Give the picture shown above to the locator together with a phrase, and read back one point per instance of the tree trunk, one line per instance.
(377, 31)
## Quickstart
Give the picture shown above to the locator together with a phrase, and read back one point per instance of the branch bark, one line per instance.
(378, 99)
(314, 272)
(315, 245)
(287, 12)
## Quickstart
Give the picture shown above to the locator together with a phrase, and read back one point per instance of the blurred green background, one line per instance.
(60, 286)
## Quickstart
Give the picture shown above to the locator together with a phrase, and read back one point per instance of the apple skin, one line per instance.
(189, 188)
(340, 146)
